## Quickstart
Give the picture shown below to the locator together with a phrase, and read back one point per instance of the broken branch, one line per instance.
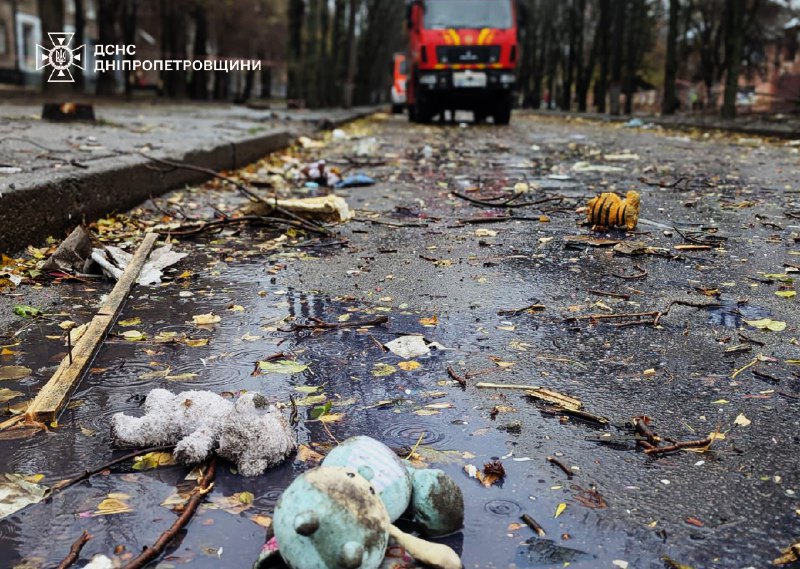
(75, 550)
(204, 486)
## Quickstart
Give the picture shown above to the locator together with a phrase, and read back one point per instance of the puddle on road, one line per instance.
(341, 363)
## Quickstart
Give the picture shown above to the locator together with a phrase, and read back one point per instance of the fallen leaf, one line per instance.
(27, 311)
(742, 420)
(482, 232)
(113, 504)
(409, 366)
(67, 325)
(262, 520)
(14, 372)
(332, 417)
(282, 366)
(786, 293)
(134, 335)
(18, 491)
(205, 319)
(767, 324)
(560, 509)
(235, 308)
(429, 322)
(9, 394)
(383, 370)
(153, 460)
(181, 377)
(195, 343)
(408, 347)
(130, 322)
(306, 454)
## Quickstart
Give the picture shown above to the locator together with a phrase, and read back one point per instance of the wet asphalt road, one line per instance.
(415, 251)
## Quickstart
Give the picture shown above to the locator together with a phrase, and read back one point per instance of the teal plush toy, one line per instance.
(339, 515)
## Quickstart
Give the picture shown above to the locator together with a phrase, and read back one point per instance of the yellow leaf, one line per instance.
(742, 420)
(344, 317)
(134, 335)
(409, 366)
(196, 343)
(205, 319)
(721, 401)
(786, 293)
(264, 521)
(67, 325)
(245, 497)
(560, 509)
(153, 460)
(130, 322)
(307, 454)
(383, 370)
(332, 417)
(181, 377)
(235, 308)
(429, 322)
(767, 324)
(112, 505)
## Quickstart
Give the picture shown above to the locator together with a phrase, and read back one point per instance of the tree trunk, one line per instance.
(199, 88)
(107, 27)
(670, 103)
(734, 44)
(129, 14)
(266, 82)
(620, 7)
(635, 22)
(80, 39)
(295, 52)
(51, 15)
(588, 72)
(601, 92)
(582, 78)
(349, 83)
(569, 74)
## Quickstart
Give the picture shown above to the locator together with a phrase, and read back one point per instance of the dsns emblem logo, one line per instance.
(60, 57)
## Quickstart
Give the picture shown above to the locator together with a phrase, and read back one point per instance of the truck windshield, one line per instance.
(468, 14)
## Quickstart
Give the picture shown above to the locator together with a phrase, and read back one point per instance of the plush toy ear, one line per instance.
(352, 555)
(306, 523)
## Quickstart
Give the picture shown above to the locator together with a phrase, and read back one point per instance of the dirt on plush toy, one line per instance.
(249, 432)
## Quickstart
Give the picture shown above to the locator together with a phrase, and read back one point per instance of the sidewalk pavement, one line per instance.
(52, 174)
(777, 126)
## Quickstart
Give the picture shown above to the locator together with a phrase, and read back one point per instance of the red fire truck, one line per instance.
(463, 55)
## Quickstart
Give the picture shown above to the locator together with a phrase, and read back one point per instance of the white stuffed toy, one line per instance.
(250, 432)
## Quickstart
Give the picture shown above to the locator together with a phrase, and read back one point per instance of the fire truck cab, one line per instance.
(463, 55)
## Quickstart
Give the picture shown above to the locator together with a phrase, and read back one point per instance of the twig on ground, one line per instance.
(610, 294)
(505, 204)
(534, 525)
(452, 373)
(194, 229)
(204, 486)
(322, 325)
(566, 469)
(64, 484)
(679, 446)
(309, 225)
(640, 275)
(75, 551)
(515, 311)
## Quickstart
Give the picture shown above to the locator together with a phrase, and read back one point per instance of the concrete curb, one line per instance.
(28, 215)
(678, 124)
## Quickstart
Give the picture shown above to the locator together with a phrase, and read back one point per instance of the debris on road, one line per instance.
(349, 502)
(608, 210)
(250, 432)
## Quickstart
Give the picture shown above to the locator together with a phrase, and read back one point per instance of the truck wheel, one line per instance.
(422, 112)
(502, 112)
